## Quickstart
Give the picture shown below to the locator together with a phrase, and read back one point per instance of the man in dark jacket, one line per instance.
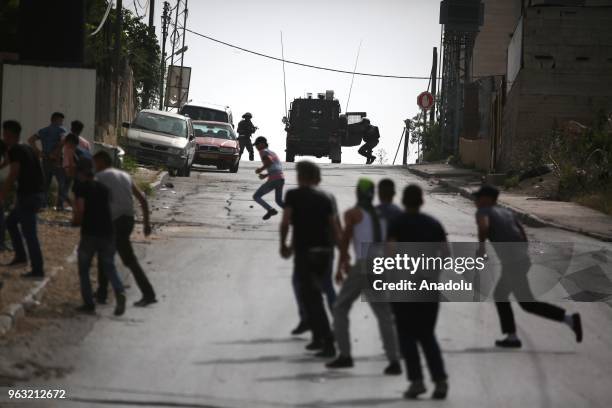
(245, 131)
(370, 137)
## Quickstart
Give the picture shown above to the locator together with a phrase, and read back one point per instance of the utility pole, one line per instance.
(180, 84)
(434, 80)
(152, 16)
(164, 18)
(117, 60)
(406, 142)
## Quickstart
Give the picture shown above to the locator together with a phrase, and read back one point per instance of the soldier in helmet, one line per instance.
(370, 137)
(245, 131)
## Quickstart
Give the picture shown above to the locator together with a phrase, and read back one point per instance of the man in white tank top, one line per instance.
(363, 225)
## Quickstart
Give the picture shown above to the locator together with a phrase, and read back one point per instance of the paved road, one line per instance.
(219, 336)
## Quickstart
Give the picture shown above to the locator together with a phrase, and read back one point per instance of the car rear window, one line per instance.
(214, 130)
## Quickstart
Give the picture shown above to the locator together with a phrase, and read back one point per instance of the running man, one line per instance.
(363, 226)
(500, 225)
(275, 176)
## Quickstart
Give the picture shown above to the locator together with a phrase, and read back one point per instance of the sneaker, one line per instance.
(415, 389)
(577, 326)
(394, 368)
(371, 160)
(144, 302)
(440, 391)
(269, 214)
(508, 343)
(32, 275)
(17, 262)
(301, 328)
(328, 351)
(341, 362)
(314, 345)
(86, 309)
(120, 306)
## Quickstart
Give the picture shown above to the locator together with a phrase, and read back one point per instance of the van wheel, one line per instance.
(336, 161)
(234, 168)
(290, 157)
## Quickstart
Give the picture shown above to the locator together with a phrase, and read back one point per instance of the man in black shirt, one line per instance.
(310, 213)
(370, 137)
(416, 321)
(92, 212)
(25, 170)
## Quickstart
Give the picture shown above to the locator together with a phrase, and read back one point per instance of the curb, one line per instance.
(15, 311)
(527, 218)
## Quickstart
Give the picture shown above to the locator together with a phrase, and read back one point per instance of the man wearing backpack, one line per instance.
(371, 137)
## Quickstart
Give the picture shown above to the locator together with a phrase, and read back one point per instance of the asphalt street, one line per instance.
(219, 337)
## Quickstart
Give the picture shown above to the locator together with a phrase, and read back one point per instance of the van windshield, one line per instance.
(160, 124)
(201, 113)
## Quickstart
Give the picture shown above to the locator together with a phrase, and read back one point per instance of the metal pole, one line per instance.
(180, 84)
(284, 75)
(406, 141)
(434, 83)
(117, 59)
(163, 54)
(399, 145)
(152, 16)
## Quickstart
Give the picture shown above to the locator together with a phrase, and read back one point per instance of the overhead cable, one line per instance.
(341, 71)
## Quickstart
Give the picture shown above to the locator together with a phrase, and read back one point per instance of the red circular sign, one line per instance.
(425, 100)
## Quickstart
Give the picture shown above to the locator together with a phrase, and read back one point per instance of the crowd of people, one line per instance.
(99, 196)
(311, 215)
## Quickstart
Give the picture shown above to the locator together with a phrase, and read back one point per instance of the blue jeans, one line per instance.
(50, 170)
(327, 287)
(105, 248)
(265, 188)
(24, 215)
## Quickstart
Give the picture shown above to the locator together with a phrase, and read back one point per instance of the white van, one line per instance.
(162, 138)
(208, 112)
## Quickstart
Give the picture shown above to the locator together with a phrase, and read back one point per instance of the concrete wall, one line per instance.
(500, 20)
(475, 153)
(566, 75)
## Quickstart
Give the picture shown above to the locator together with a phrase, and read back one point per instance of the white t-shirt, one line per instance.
(119, 184)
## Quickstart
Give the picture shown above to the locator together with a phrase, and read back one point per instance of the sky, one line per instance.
(397, 38)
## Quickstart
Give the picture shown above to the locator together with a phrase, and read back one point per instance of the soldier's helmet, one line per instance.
(247, 115)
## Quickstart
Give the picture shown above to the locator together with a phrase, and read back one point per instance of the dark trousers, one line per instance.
(416, 323)
(50, 170)
(327, 287)
(366, 149)
(104, 247)
(310, 269)
(123, 227)
(24, 215)
(245, 141)
(514, 280)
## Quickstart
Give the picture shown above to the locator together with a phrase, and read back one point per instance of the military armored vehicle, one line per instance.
(316, 127)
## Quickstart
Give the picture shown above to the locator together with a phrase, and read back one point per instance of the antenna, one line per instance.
(284, 76)
(353, 77)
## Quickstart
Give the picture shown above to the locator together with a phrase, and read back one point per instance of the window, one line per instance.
(214, 130)
(160, 124)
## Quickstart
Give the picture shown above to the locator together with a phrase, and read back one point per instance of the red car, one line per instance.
(217, 145)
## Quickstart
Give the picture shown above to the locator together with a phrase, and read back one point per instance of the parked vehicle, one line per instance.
(162, 138)
(208, 112)
(217, 145)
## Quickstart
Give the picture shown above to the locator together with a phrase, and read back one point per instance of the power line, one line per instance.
(341, 71)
